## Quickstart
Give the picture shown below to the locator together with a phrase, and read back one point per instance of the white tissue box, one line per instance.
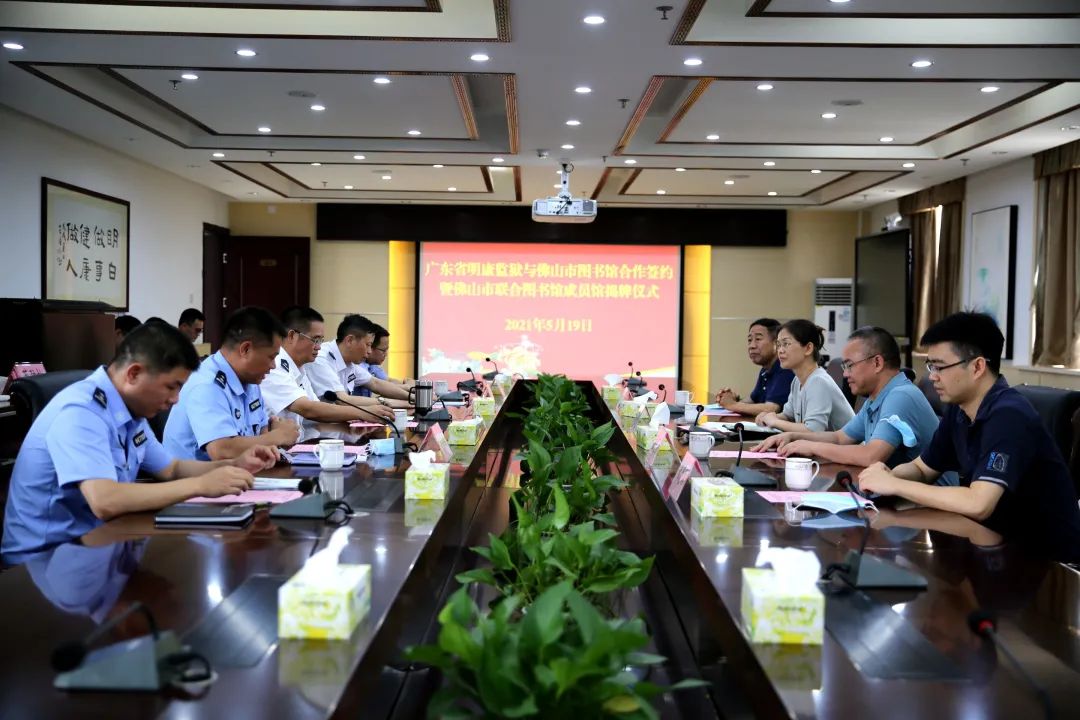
(716, 497)
(645, 435)
(463, 432)
(630, 409)
(611, 393)
(774, 612)
(429, 483)
(322, 605)
(484, 406)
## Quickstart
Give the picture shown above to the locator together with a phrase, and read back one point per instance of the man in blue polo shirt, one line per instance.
(1013, 478)
(893, 426)
(78, 464)
(774, 382)
(221, 412)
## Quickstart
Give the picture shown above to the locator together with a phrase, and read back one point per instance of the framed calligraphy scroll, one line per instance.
(85, 247)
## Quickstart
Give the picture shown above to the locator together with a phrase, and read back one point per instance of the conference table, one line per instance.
(889, 653)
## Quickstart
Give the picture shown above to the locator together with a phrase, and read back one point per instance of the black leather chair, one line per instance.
(1057, 408)
(927, 386)
(157, 424)
(30, 395)
(837, 374)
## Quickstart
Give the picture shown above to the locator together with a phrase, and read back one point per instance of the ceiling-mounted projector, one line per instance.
(563, 208)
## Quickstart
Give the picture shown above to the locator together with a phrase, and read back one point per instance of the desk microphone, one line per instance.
(745, 476)
(491, 375)
(661, 388)
(68, 656)
(399, 445)
(470, 385)
(984, 624)
(635, 377)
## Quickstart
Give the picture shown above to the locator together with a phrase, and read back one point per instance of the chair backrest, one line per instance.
(30, 395)
(836, 372)
(927, 386)
(1057, 408)
(157, 424)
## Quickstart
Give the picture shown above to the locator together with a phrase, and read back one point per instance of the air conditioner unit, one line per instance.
(832, 311)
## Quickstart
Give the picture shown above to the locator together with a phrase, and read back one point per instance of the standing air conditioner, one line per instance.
(832, 311)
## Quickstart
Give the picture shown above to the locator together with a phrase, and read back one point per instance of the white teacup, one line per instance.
(682, 398)
(690, 413)
(800, 472)
(331, 454)
(401, 417)
(701, 443)
(441, 387)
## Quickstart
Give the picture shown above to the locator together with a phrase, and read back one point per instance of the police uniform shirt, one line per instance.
(1007, 444)
(214, 404)
(85, 433)
(376, 372)
(284, 385)
(331, 372)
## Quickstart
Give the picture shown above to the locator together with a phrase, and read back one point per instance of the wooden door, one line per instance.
(271, 272)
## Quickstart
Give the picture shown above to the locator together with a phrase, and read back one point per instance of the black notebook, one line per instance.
(206, 516)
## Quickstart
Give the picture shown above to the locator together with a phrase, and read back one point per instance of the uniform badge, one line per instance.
(99, 397)
(220, 378)
(331, 356)
(236, 412)
(256, 403)
(140, 438)
(352, 377)
(285, 364)
(998, 462)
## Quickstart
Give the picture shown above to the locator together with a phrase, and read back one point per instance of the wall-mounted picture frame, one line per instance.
(85, 247)
(990, 285)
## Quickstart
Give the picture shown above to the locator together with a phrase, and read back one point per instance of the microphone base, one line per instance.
(635, 382)
(752, 478)
(490, 375)
(309, 507)
(433, 416)
(872, 573)
(469, 386)
(132, 665)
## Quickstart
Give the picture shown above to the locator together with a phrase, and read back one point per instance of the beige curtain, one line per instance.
(947, 295)
(924, 251)
(1057, 266)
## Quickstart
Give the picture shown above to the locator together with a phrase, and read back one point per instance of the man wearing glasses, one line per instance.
(337, 369)
(893, 426)
(1013, 478)
(380, 348)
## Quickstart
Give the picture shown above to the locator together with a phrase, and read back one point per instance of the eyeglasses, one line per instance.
(846, 365)
(935, 369)
(379, 349)
(318, 340)
(784, 345)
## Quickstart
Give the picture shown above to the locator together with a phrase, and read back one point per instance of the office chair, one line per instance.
(30, 395)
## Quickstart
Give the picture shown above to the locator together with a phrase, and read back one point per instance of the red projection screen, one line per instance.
(581, 310)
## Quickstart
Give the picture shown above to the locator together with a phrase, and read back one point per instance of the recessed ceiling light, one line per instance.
(989, 89)
(246, 52)
(886, 139)
(316, 164)
(497, 160)
(219, 154)
(359, 157)
(772, 193)
(318, 108)
(253, 193)
(593, 20)
(583, 89)
(768, 163)
(908, 165)
(828, 116)
(630, 161)
(479, 57)
(387, 177)
(729, 182)
(451, 189)
(661, 192)
(692, 61)
(815, 172)
(556, 185)
(189, 76)
(713, 136)
(573, 123)
(567, 146)
(264, 129)
(999, 152)
(414, 132)
(922, 63)
(680, 169)
(348, 187)
(765, 86)
(381, 80)
(13, 46)
(436, 166)
(838, 2)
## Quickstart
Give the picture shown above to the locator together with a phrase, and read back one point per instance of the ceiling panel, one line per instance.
(746, 182)
(926, 8)
(404, 178)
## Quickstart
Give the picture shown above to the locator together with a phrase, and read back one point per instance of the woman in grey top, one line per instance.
(815, 403)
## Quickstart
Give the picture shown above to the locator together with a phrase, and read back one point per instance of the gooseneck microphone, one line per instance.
(634, 381)
(848, 483)
(491, 375)
(661, 388)
(399, 445)
(984, 624)
(469, 385)
(68, 656)
(745, 476)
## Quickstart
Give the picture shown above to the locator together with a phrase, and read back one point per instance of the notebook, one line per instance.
(194, 515)
(255, 497)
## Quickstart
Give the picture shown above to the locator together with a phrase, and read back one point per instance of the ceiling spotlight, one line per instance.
(815, 172)
(387, 177)
(772, 193)
(246, 52)
(436, 166)
(729, 182)
(593, 20)
(989, 89)
(414, 132)
(253, 193)
(573, 123)
(713, 136)
(680, 169)
(908, 165)
(768, 163)
(12, 46)
(764, 87)
(189, 76)
(556, 185)
(838, 2)
(497, 160)
(359, 157)
(451, 189)
(922, 64)
(348, 187)
(316, 164)
(219, 154)
(583, 89)
(630, 161)
(692, 61)
(479, 57)
(264, 129)
(661, 192)
(381, 80)
(828, 116)
(318, 108)
(886, 139)
(567, 146)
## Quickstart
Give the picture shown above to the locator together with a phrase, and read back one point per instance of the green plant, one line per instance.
(585, 492)
(559, 659)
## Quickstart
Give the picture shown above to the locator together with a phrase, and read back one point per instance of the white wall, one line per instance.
(167, 213)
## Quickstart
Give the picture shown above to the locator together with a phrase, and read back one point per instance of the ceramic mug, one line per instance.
(690, 413)
(701, 443)
(401, 417)
(800, 472)
(331, 454)
(441, 388)
(682, 398)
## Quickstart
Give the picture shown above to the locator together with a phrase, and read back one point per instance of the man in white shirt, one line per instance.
(287, 390)
(337, 369)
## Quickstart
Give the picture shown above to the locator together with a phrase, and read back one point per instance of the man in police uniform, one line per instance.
(1013, 478)
(380, 347)
(78, 464)
(286, 389)
(221, 413)
(337, 367)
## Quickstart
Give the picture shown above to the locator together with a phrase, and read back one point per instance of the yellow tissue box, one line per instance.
(776, 613)
(611, 393)
(716, 531)
(716, 497)
(645, 435)
(484, 406)
(423, 513)
(629, 409)
(463, 432)
(317, 606)
(430, 483)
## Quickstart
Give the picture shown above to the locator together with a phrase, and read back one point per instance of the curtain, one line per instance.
(924, 251)
(1057, 267)
(946, 297)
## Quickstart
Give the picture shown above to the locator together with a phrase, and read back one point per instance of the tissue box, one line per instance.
(430, 483)
(463, 432)
(716, 497)
(423, 513)
(716, 531)
(320, 606)
(645, 435)
(484, 406)
(611, 393)
(629, 409)
(773, 612)
(462, 454)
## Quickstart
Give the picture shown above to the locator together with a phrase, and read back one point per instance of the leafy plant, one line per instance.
(585, 492)
(560, 659)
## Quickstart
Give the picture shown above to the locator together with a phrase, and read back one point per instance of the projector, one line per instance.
(563, 208)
